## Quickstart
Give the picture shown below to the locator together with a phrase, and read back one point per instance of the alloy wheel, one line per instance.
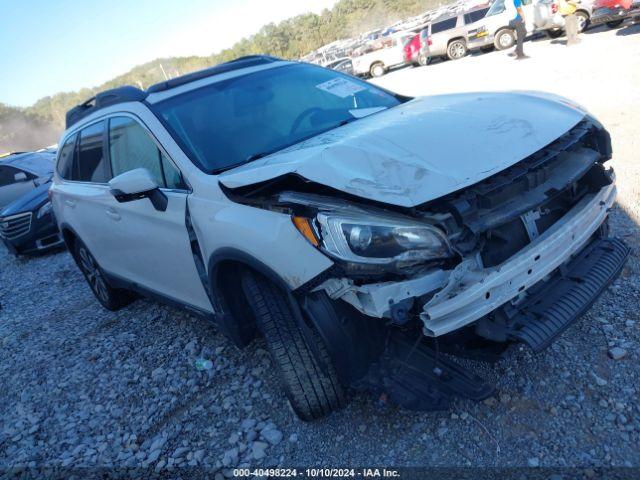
(93, 275)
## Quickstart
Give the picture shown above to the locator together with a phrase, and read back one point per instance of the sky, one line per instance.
(63, 45)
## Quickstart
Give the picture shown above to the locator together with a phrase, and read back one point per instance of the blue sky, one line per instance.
(48, 46)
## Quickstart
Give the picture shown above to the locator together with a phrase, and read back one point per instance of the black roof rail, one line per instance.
(104, 99)
(238, 63)
(133, 94)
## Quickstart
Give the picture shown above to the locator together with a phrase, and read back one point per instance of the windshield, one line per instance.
(234, 121)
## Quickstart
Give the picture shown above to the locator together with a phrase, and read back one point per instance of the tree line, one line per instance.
(41, 123)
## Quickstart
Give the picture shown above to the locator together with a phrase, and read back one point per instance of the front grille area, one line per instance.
(505, 212)
(15, 226)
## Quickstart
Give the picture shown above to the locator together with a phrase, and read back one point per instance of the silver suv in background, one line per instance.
(487, 27)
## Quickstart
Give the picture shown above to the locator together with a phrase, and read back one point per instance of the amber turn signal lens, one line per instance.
(303, 226)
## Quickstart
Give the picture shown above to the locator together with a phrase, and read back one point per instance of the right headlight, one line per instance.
(380, 240)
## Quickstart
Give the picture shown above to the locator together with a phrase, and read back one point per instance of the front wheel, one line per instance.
(312, 391)
(456, 50)
(109, 297)
(615, 23)
(423, 60)
(376, 70)
(505, 39)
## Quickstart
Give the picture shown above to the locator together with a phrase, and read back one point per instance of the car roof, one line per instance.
(134, 94)
(37, 163)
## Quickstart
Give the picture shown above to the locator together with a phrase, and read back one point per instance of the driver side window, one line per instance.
(497, 8)
(131, 146)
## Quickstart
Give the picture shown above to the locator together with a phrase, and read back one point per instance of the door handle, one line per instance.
(70, 203)
(112, 214)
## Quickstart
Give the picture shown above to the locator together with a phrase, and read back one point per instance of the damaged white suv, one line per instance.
(362, 233)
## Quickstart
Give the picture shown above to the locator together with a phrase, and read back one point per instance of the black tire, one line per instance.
(615, 23)
(109, 297)
(423, 60)
(556, 33)
(502, 36)
(583, 21)
(311, 392)
(456, 49)
(377, 70)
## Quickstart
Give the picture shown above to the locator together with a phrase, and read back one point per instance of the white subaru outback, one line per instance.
(364, 234)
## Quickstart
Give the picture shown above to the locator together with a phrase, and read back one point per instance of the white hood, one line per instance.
(423, 149)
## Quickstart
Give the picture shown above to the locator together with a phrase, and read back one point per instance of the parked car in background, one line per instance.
(355, 229)
(344, 65)
(378, 62)
(412, 48)
(613, 12)
(22, 172)
(492, 28)
(28, 225)
(583, 15)
(451, 36)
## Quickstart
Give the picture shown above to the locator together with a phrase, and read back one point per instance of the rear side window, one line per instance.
(444, 25)
(131, 146)
(92, 166)
(66, 160)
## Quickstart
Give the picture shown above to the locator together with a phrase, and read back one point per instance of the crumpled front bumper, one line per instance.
(472, 293)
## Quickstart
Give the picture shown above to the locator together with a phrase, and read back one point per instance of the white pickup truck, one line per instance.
(377, 62)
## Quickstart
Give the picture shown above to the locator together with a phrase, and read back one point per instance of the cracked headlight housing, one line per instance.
(370, 239)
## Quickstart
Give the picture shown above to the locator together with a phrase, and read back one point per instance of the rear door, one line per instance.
(14, 183)
(151, 247)
(84, 193)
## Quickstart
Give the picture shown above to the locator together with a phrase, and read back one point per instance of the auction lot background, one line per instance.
(86, 391)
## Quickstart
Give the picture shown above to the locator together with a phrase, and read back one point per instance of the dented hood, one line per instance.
(423, 149)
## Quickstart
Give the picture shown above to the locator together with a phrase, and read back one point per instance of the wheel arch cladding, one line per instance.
(235, 319)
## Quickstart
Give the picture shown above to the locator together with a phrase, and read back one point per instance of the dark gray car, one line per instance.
(22, 172)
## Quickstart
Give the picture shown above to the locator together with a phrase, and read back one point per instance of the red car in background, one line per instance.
(613, 12)
(416, 49)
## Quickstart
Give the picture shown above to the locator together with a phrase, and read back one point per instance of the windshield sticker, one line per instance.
(340, 87)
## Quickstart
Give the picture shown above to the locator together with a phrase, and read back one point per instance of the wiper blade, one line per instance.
(250, 158)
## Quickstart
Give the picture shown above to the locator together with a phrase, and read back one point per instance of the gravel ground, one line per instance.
(83, 387)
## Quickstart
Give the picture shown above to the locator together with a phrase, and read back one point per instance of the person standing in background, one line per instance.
(519, 26)
(567, 8)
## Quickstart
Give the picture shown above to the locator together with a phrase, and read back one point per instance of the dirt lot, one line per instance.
(83, 387)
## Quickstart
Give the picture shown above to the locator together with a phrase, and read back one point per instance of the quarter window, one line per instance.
(131, 147)
(66, 164)
(92, 166)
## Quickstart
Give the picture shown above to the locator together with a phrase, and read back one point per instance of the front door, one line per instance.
(152, 247)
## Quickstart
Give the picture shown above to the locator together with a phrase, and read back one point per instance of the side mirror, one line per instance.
(135, 185)
(20, 177)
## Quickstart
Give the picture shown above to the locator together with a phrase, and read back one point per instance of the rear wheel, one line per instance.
(505, 39)
(615, 23)
(456, 49)
(312, 392)
(109, 297)
(376, 70)
(423, 60)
